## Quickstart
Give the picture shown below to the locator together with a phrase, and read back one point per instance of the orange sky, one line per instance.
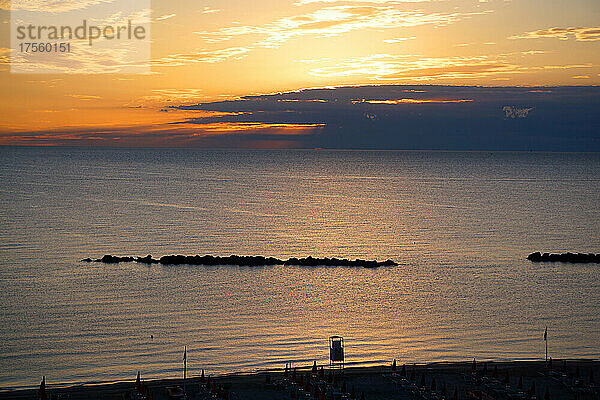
(213, 50)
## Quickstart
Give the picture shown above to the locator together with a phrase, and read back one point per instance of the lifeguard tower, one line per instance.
(336, 352)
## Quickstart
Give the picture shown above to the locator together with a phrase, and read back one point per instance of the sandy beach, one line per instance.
(565, 379)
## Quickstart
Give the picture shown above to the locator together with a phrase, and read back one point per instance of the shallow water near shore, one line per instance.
(459, 224)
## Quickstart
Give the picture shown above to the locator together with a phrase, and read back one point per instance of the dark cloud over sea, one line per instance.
(417, 117)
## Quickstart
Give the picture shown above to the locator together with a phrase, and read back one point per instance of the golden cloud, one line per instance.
(580, 34)
(394, 67)
(214, 56)
(332, 21)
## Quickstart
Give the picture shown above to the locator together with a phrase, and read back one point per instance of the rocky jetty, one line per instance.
(249, 261)
(564, 257)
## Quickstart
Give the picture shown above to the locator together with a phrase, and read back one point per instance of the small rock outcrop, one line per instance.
(564, 257)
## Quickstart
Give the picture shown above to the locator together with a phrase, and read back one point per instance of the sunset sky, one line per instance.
(208, 52)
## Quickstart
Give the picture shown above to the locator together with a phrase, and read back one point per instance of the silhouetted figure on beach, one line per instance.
(394, 365)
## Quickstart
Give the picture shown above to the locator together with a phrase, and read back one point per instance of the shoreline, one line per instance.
(562, 379)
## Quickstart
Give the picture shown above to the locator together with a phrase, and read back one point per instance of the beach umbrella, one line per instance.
(314, 367)
(532, 390)
(520, 385)
(547, 394)
(42, 391)
(403, 371)
(394, 365)
(433, 385)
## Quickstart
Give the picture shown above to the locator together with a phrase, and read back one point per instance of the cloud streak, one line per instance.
(395, 67)
(332, 21)
(579, 34)
(50, 6)
(205, 56)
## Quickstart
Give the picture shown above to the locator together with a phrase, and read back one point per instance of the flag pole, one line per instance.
(546, 340)
(184, 367)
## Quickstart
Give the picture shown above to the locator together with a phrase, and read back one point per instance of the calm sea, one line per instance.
(459, 224)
